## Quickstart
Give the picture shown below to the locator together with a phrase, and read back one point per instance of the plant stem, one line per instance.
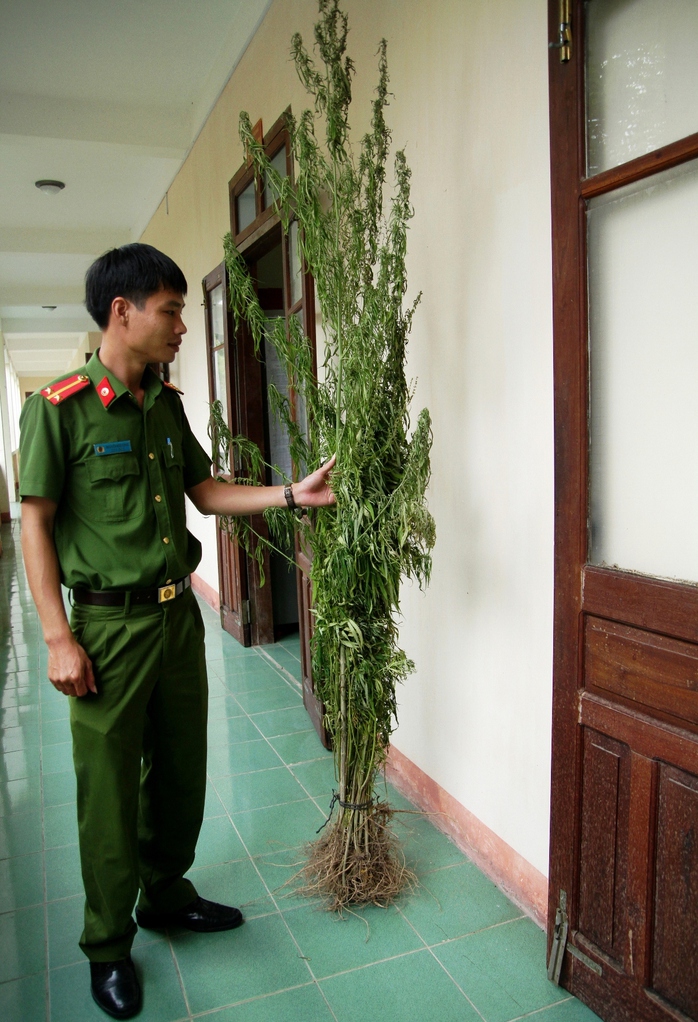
(340, 301)
(343, 725)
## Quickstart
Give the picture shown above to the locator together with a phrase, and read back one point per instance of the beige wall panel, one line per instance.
(28, 384)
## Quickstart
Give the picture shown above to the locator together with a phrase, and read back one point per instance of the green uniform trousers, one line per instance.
(139, 748)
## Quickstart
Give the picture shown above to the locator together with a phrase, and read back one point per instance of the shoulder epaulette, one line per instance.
(57, 392)
(172, 386)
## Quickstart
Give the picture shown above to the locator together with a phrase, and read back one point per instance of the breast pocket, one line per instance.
(174, 483)
(112, 490)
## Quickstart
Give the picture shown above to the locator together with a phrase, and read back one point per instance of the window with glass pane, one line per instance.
(246, 210)
(643, 305)
(278, 162)
(642, 77)
(217, 334)
(301, 412)
(279, 453)
(295, 264)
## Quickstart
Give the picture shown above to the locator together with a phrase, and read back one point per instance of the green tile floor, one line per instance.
(456, 949)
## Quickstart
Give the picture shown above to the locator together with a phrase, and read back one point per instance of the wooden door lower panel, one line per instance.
(316, 710)
(635, 912)
(676, 891)
(233, 587)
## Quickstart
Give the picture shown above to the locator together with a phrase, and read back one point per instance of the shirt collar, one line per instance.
(98, 373)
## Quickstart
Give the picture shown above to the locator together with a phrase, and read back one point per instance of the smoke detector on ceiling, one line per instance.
(50, 187)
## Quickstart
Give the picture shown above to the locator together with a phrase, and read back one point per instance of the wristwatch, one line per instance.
(292, 506)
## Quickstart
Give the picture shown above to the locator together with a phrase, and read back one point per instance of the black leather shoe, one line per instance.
(201, 916)
(115, 987)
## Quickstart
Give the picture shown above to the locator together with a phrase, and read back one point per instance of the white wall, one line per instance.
(469, 79)
(5, 444)
(10, 405)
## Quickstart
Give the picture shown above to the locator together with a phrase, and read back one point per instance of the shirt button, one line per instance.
(169, 582)
(151, 456)
(158, 497)
(166, 539)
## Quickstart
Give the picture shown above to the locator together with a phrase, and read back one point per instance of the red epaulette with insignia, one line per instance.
(172, 386)
(58, 392)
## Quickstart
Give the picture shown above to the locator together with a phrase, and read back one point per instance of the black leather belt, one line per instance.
(111, 598)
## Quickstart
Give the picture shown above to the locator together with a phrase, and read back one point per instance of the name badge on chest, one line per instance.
(116, 447)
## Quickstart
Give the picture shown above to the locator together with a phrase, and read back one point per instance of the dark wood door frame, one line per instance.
(591, 601)
(251, 242)
(232, 561)
(570, 376)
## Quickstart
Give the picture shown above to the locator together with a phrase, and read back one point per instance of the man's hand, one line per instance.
(316, 490)
(70, 668)
(211, 497)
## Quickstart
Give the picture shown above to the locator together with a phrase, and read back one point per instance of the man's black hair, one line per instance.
(134, 272)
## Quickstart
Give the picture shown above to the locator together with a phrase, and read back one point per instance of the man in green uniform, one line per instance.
(106, 459)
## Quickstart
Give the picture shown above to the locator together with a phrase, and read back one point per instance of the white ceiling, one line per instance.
(107, 96)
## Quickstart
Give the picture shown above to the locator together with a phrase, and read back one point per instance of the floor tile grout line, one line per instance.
(473, 933)
(308, 965)
(313, 798)
(180, 978)
(379, 961)
(251, 1000)
(274, 900)
(268, 740)
(305, 958)
(545, 1007)
(457, 985)
(288, 767)
(47, 985)
(276, 905)
(82, 960)
(411, 925)
(289, 678)
(244, 773)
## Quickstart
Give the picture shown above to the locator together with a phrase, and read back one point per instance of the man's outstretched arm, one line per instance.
(69, 667)
(211, 497)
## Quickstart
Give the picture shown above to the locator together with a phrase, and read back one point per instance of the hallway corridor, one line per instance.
(456, 950)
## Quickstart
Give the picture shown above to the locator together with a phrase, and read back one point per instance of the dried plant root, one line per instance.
(357, 862)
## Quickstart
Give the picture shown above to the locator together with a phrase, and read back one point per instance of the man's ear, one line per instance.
(120, 309)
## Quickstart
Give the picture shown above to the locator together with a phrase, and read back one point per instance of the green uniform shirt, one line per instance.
(118, 474)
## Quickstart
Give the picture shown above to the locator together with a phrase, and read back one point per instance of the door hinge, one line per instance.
(560, 945)
(564, 41)
(245, 612)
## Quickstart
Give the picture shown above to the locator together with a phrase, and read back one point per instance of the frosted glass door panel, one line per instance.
(218, 344)
(279, 452)
(217, 316)
(642, 77)
(643, 298)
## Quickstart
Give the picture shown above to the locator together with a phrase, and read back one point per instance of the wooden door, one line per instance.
(257, 232)
(624, 814)
(232, 561)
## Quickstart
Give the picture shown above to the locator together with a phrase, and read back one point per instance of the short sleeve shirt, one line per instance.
(118, 474)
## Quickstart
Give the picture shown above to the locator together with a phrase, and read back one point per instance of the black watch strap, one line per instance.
(288, 494)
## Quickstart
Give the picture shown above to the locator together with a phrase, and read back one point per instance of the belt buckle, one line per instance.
(166, 593)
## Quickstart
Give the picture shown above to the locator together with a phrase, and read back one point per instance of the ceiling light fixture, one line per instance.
(50, 187)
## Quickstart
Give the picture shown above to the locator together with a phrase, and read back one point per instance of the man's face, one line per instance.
(155, 332)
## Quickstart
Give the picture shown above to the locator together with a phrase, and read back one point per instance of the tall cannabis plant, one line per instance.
(353, 241)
